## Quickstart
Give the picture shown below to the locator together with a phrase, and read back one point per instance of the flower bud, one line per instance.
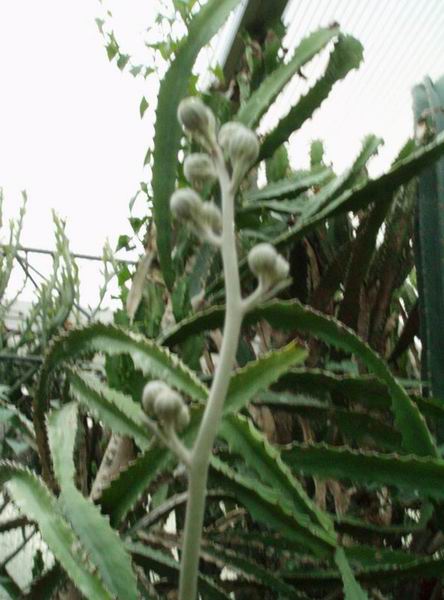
(198, 168)
(167, 405)
(262, 259)
(186, 204)
(197, 118)
(243, 146)
(212, 216)
(150, 393)
(282, 268)
(226, 133)
(182, 418)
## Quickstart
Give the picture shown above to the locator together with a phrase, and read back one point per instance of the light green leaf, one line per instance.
(260, 374)
(251, 444)
(117, 410)
(102, 543)
(352, 589)
(421, 475)
(260, 101)
(346, 55)
(36, 502)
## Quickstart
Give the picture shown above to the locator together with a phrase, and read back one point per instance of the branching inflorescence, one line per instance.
(230, 153)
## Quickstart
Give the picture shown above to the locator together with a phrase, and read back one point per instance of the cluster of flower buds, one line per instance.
(204, 218)
(267, 265)
(160, 401)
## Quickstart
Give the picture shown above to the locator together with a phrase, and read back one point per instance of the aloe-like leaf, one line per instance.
(415, 473)
(286, 188)
(292, 316)
(126, 490)
(117, 410)
(359, 197)
(164, 564)
(168, 131)
(123, 492)
(358, 426)
(248, 442)
(352, 589)
(92, 528)
(147, 356)
(260, 374)
(260, 101)
(268, 507)
(36, 502)
(346, 55)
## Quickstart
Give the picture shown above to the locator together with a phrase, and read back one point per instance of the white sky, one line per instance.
(70, 130)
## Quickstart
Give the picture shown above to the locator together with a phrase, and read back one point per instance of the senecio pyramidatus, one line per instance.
(237, 145)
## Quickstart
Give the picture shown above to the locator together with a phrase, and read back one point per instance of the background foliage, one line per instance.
(326, 480)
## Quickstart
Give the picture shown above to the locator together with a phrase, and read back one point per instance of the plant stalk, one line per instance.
(201, 453)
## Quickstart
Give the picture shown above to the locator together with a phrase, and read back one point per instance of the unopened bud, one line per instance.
(197, 118)
(212, 216)
(268, 266)
(186, 204)
(182, 418)
(282, 268)
(243, 146)
(167, 405)
(150, 393)
(262, 259)
(226, 133)
(198, 168)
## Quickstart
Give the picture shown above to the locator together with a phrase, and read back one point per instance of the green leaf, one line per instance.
(249, 443)
(124, 492)
(352, 589)
(361, 195)
(421, 475)
(118, 411)
(287, 188)
(260, 101)
(147, 356)
(168, 132)
(143, 106)
(260, 374)
(92, 528)
(346, 55)
(293, 316)
(36, 502)
(268, 507)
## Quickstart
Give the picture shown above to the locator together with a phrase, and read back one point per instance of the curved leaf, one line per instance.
(352, 589)
(260, 374)
(244, 439)
(417, 474)
(168, 131)
(118, 411)
(35, 501)
(346, 55)
(287, 188)
(260, 101)
(268, 507)
(92, 528)
(147, 356)
(294, 316)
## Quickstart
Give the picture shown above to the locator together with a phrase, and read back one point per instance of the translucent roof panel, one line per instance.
(403, 42)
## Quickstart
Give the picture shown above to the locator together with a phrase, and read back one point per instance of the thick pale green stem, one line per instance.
(201, 453)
